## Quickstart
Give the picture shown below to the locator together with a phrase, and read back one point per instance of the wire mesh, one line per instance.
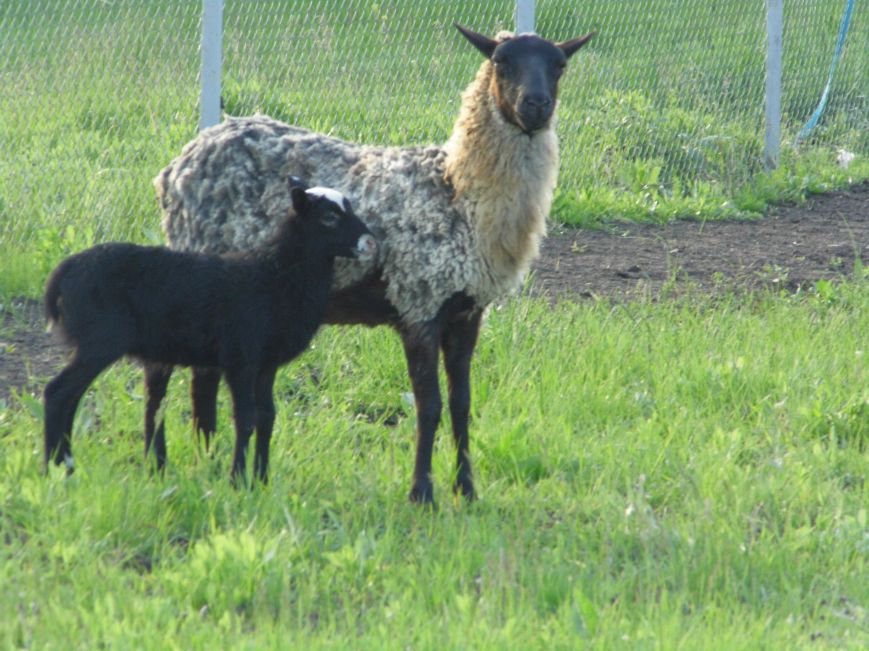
(381, 72)
(95, 95)
(666, 101)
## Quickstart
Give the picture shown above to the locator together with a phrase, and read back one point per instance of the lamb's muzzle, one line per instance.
(366, 248)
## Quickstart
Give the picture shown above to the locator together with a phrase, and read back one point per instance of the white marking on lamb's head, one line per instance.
(526, 73)
(304, 197)
(332, 195)
(69, 462)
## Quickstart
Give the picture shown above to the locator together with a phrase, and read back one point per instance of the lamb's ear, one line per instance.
(295, 181)
(300, 199)
(484, 44)
(571, 46)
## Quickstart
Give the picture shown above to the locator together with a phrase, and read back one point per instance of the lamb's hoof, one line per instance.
(58, 456)
(237, 480)
(262, 476)
(464, 486)
(423, 493)
(154, 466)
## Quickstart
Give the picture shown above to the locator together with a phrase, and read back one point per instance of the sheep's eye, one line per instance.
(501, 63)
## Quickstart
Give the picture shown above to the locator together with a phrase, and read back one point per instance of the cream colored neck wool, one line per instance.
(503, 179)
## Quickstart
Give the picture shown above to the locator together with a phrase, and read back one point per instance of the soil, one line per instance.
(791, 248)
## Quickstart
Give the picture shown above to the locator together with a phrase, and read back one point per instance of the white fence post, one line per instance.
(772, 136)
(212, 55)
(524, 16)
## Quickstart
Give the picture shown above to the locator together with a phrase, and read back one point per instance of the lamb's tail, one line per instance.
(53, 299)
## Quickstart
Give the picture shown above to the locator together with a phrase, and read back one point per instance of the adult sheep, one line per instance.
(459, 223)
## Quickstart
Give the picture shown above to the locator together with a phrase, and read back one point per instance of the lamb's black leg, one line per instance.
(265, 420)
(62, 396)
(58, 394)
(421, 350)
(241, 385)
(156, 380)
(458, 341)
(203, 391)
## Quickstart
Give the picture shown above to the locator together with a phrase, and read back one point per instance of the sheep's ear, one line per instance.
(571, 46)
(484, 44)
(300, 199)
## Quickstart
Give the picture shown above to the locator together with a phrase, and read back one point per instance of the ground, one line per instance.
(791, 248)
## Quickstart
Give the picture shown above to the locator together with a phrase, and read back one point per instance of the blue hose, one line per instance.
(840, 42)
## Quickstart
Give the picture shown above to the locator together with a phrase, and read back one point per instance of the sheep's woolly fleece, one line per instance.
(463, 217)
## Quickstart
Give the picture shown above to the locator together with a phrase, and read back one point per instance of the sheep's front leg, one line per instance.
(203, 391)
(458, 341)
(241, 386)
(421, 351)
(156, 380)
(265, 420)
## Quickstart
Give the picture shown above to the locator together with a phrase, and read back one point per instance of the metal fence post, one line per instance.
(772, 136)
(212, 55)
(524, 16)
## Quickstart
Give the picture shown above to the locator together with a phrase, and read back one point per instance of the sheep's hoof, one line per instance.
(423, 493)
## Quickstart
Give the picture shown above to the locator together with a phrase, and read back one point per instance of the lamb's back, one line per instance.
(138, 297)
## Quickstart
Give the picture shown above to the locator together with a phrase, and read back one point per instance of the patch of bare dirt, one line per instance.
(793, 247)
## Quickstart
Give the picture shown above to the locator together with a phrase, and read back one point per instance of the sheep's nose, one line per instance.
(536, 102)
(366, 246)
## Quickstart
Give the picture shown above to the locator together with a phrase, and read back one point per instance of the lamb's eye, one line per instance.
(330, 221)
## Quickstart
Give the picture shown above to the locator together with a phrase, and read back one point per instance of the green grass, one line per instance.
(683, 474)
(661, 116)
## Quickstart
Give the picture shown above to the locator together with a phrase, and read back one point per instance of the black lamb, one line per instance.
(245, 314)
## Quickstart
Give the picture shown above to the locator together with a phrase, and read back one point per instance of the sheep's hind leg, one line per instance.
(421, 351)
(203, 391)
(62, 395)
(265, 420)
(458, 341)
(156, 380)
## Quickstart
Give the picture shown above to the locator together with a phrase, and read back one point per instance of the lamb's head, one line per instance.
(327, 218)
(526, 73)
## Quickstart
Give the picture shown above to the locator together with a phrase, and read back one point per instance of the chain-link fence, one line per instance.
(665, 105)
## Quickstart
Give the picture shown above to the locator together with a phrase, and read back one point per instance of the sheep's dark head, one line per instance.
(327, 216)
(526, 73)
